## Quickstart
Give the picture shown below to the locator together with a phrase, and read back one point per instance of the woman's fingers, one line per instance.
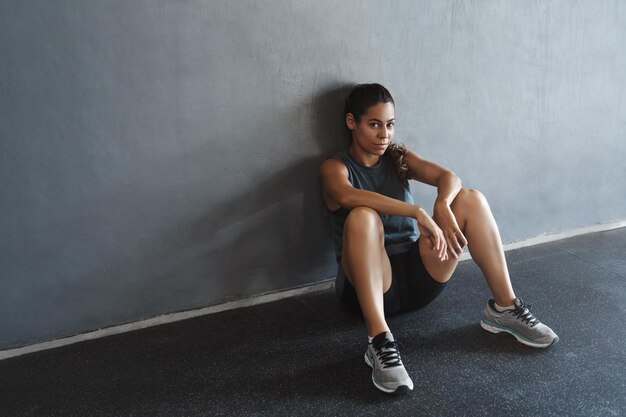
(460, 236)
(438, 241)
(443, 247)
(453, 245)
(428, 228)
(459, 240)
(456, 241)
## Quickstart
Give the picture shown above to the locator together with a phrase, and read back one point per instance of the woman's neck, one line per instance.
(362, 157)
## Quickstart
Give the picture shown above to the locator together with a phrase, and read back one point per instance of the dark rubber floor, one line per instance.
(304, 355)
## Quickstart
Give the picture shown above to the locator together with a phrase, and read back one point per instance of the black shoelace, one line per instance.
(523, 313)
(391, 357)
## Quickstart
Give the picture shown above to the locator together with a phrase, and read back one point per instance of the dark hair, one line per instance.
(362, 97)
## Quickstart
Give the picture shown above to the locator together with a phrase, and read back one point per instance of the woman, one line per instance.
(384, 268)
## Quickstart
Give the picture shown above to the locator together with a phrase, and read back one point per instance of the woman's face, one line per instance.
(374, 132)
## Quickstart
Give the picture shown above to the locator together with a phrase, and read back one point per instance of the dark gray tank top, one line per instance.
(400, 232)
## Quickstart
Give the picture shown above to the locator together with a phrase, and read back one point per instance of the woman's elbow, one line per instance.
(346, 201)
(350, 200)
(454, 178)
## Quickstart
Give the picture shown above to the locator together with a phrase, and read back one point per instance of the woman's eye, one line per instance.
(390, 125)
(375, 125)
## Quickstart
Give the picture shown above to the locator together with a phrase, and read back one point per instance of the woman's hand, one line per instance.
(429, 230)
(452, 233)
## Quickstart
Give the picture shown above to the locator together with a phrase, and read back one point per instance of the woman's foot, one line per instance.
(519, 322)
(388, 373)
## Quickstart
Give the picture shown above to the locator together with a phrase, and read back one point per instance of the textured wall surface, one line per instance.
(159, 156)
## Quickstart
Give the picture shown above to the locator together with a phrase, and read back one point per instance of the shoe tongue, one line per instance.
(381, 338)
(518, 302)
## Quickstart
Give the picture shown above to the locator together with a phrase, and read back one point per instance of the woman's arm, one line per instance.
(448, 186)
(339, 192)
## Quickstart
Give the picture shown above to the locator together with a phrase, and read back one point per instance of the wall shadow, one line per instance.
(273, 236)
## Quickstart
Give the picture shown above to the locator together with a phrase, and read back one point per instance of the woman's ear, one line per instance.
(350, 122)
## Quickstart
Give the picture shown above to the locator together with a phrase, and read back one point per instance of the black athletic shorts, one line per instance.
(411, 288)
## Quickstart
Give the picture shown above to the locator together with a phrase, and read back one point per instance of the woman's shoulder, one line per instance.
(332, 164)
(338, 157)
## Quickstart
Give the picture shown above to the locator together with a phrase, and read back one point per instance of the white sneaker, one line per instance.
(519, 322)
(388, 373)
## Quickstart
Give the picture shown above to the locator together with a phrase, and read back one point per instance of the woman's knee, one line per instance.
(364, 219)
(470, 198)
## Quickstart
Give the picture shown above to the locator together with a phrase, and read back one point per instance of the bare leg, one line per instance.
(475, 219)
(366, 265)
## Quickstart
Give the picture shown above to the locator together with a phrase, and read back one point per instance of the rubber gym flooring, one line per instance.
(304, 355)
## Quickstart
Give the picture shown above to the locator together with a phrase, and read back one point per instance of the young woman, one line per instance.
(384, 267)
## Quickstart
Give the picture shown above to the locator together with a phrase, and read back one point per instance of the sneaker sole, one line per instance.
(402, 389)
(493, 328)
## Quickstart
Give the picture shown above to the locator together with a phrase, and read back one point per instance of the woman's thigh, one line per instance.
(416, 287)
(441, 271)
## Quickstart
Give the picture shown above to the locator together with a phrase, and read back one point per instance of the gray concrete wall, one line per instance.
(158, 156)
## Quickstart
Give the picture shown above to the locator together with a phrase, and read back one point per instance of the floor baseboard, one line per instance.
(269, 297)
